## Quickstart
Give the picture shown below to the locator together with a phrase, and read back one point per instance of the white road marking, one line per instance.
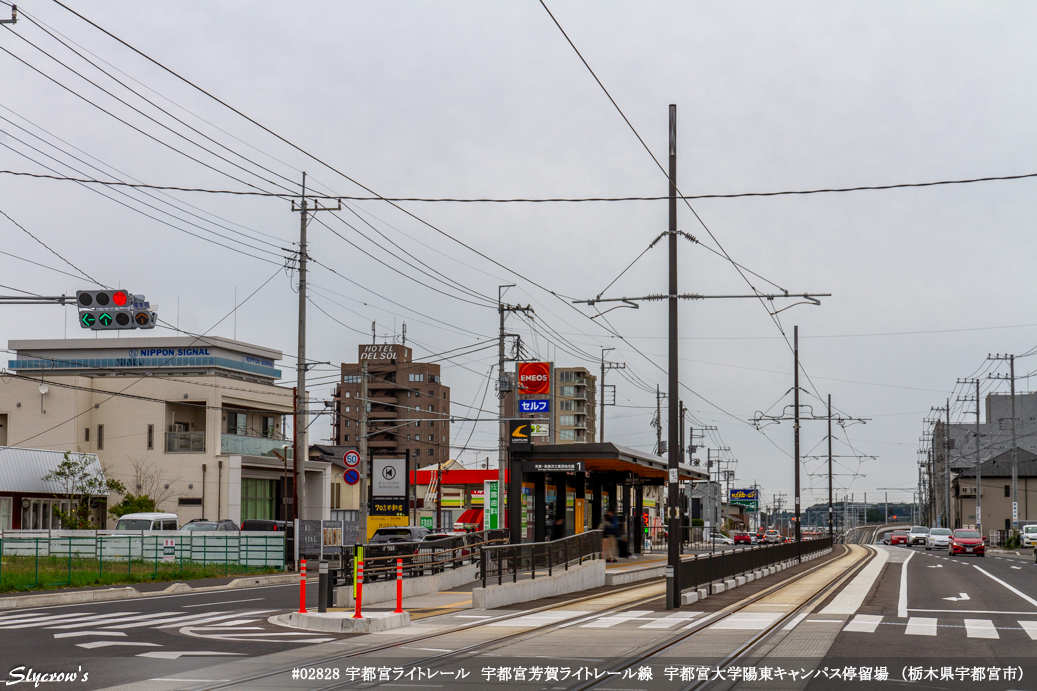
(936, 566)
(539, 619)
(701, 621)
(108, 619)
(980, 628)
(1013, 589)
(961, 597)
(199, 619)
(612, 620)
(921, 626)
(434, 650)
(902, 603)
(795, 620)
(752, 621)
(1030, 627)
(670, 620)
(106, 644)
(223, 602)
(1017, 567)
(57, 619)
(968, 611)
(472, 616)
(174, 654)
(78, 634)
(17, 618)
(864, 623)
(852, 596)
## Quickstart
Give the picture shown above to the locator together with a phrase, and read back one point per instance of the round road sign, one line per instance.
(351, 459)
(351, 477)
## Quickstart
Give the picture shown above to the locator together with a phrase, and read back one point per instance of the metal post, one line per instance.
(673, 387)
(979, 472)
(830, 528)
(947, 465)
(322, 587)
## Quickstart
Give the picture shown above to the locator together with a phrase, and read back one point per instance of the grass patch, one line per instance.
(28, 573)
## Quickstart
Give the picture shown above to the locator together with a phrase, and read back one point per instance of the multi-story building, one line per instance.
(196, 423)
(408, 407)
(575, 410)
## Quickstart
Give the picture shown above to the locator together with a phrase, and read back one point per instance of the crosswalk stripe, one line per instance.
(107, 644)
(980, 628)
(795, 621)
(1030, 627)
(80, 634)
(198, 619)
(109, 619)
(921, 626)
(57, 619)
(864, 623)
(610, 621)
(14, 618)
(670, 620)
(753, 621)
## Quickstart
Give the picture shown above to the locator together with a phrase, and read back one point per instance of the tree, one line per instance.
(82, 478)
(151, 482)
(132, 504)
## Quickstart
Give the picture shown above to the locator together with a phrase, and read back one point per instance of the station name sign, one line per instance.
(552, 467)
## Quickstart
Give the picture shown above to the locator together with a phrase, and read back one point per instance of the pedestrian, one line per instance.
(558, 529)
(608, 537)
(621, 534)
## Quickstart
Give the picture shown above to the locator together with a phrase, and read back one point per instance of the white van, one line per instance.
(148, 521)
(1030, 535)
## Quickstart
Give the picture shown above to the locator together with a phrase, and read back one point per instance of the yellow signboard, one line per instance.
(376, 522)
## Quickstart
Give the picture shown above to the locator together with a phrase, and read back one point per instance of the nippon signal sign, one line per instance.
(534, 377)
(535, 406)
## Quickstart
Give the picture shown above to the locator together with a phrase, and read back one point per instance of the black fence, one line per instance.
(533, 557)
(704, 569)
(430, 556)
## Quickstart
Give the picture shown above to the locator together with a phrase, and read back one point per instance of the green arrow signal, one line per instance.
(87, 319)
(105, 319)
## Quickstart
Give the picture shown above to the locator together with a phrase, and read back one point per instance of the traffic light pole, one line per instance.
(37, 300)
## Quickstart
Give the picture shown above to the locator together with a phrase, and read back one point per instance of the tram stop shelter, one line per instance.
(550, 487)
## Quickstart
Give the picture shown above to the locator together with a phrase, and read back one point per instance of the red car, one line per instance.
(966, 542)
(743, 539)
(899, 537)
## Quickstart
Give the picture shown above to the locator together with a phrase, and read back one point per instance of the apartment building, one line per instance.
(197, 423)
(572, 405)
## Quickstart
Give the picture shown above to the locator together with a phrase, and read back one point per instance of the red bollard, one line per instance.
(302, 587)
(359, 588)
(399, 587)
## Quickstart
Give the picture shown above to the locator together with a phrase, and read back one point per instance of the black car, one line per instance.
(263, 525)
(202, 525)
(386, 543)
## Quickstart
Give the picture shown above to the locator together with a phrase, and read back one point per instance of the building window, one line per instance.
(434, 379)
(257, 499)
(432, 437)
(347, 409)
(336, 496)
(5, 512)
(565, 405)
(351, 379)
(269, 427)
(568, 391)
(237, 423)
(347, 394)
(345, 423)
(566, 435)
(565, 420)
(444, 423)
(566, 376)
(151, 437)
(444, 439)
(416, 377)
(1008, 488)
(431, 423)
(417, 394)
(100, 437)
(432, 409)
(431, 452)
(86, 434)
(345, 438)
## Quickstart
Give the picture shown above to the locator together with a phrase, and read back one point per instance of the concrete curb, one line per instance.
(634, 575)
(75, 597)
(576, 578)
(343, 622)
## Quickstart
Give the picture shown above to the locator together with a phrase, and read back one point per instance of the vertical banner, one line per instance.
(491, 506)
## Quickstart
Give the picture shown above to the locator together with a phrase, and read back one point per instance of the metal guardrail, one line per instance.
(32, 559)
(704, 569)
(421, 558)
(498, 562)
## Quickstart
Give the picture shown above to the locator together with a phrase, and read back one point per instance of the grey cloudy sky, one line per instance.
(488, 100)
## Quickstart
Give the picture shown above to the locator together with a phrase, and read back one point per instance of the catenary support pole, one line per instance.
(673, 488)
(830, 528)
(300, 398)
(795, 390)
(979, 471)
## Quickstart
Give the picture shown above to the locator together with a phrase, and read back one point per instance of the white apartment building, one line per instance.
(197, 421)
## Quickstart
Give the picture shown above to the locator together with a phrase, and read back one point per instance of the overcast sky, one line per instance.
(452, 99)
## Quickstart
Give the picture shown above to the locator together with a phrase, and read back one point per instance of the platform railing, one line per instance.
(704, 569)
(430, 556)
(538, 558)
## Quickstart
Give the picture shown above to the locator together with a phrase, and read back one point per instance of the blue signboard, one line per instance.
(533, 405)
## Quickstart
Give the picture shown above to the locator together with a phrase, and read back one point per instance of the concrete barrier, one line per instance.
(730, 583)
(343, 622)
(640, 573)
(716, 588)
(578, 577)
(689, 598)
(385, 591)
(703, 593)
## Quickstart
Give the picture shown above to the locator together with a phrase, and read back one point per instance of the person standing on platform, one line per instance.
(608, 536)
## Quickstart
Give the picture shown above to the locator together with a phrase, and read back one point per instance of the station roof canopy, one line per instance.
(610, 458)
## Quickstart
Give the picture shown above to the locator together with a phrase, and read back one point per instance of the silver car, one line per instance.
(938, 538)
(917, 535)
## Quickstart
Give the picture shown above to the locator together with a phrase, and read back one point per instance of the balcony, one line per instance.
(185, 442)
(240, 444)
(581, 393)
(581, 422)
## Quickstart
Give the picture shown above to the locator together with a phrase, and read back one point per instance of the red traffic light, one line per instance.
(119, 298)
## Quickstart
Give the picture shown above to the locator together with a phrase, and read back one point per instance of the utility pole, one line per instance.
(301, 398)
(503, 386)
(831, 530)
(978, 464)
(795, 389)
(605, 366)
(1015, 455)
(673, 544)
(947, 462)
(365, 461)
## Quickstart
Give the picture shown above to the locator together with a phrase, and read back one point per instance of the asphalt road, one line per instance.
(144, 638)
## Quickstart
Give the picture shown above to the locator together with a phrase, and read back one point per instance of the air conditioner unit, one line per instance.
(967, 491)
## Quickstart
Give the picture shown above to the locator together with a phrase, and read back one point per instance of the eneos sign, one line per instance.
(534, 377)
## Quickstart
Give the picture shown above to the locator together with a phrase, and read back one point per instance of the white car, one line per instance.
(719, 538)
(772, 537)
(1029, 535)
(938, 538)
(917, 535)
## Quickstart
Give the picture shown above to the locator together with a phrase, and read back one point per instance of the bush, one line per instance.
(697, 522)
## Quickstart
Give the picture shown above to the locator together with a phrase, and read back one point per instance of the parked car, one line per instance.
(966, 542)
(743, 539)
(772, 537)
(719, 538)
(398, 541)
(262, 525)
(938, 537)
(917, 535)
(202, 525)
(899, 537)
(148, 521)
(1030, 535)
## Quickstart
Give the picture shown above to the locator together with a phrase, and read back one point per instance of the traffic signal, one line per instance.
(102, 299)
(106, 320)
(144, 319)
